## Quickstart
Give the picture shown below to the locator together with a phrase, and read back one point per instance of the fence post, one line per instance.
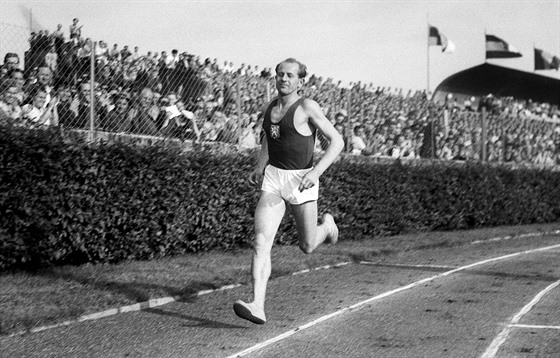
(267, 91)
(239, 111)
(349, 130)
(483, 135)
(92, 94)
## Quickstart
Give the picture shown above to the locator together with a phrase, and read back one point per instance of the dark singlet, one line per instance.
(287, 148)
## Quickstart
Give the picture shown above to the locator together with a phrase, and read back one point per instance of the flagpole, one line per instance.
(428, 56)
(534, 69)
(485, 59)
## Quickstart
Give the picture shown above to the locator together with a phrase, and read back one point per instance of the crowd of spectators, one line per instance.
(179, 95)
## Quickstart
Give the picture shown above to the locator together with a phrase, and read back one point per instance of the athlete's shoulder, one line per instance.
(310, 105)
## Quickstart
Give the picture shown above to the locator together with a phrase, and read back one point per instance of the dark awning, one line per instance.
(499, 81)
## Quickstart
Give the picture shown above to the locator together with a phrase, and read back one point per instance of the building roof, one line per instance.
(486, 79)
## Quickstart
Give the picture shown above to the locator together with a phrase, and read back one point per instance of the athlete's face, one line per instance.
(287, 80)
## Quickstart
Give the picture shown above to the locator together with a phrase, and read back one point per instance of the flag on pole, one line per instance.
(436, 38)
(498, 48)
(545, 61)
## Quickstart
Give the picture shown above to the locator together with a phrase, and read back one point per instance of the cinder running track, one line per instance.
(493, 299)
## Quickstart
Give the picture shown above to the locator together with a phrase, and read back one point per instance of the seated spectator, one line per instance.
(36, 113)
(118, 120)
(248, 138)
(446, 152)
(10, 111)
(143, 114)
(82, 107)
(188, 121)
(358, 141)
(17, 75)
(66, 114)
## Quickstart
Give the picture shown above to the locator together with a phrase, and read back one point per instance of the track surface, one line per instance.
(374, 309)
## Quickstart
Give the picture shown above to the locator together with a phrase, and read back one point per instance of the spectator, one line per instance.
(51, 59)
(125, 54)
(17, 75)
(58, 38)
(11, 61)
(37, 112)
(188, 121)
(83, 108)
(358, 141)
(66, 114)
(144, 113)
(114, 53)
(248, 139)
(10, 111)
(118, 120)
(75, 31)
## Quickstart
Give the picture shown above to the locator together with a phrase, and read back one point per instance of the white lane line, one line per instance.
(113, 311)
(500, 339)
(533, 326)
(407, 266)
(522, 236)
(378, 297)
(326, 267)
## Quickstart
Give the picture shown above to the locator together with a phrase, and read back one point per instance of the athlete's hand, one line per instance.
(309, 180)
(256, 177)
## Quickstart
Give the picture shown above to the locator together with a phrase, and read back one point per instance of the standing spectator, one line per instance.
(125, 54)
(58, 38)
(11, 61)
(101, 54)
(136, 54)
(51, 59)
(114, 53)
(75, 31)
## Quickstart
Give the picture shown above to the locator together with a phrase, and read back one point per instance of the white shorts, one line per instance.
(285, 183)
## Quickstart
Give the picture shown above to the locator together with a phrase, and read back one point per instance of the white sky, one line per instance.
(383, 42)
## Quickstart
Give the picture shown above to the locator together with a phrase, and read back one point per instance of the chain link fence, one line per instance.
(105, 92)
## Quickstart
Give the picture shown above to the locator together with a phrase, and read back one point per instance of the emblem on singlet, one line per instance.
(274, 131)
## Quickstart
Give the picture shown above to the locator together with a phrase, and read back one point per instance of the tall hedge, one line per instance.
(65, 202)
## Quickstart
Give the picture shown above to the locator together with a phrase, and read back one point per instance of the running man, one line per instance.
(285, 168)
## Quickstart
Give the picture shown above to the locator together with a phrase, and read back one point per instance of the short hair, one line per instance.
(36, 89)
(7, 84)
(302, 72)
(10, 55)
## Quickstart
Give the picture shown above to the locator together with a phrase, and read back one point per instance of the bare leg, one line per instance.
(310, 234)
(268, 216)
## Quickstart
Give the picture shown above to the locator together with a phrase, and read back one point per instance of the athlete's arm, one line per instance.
(336, 143)
(257, 174)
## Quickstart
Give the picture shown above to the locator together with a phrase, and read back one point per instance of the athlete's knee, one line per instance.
(262, 244)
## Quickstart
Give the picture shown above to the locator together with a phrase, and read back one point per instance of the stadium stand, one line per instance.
(119, 93)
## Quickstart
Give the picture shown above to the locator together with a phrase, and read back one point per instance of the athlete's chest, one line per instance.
(278, 115)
